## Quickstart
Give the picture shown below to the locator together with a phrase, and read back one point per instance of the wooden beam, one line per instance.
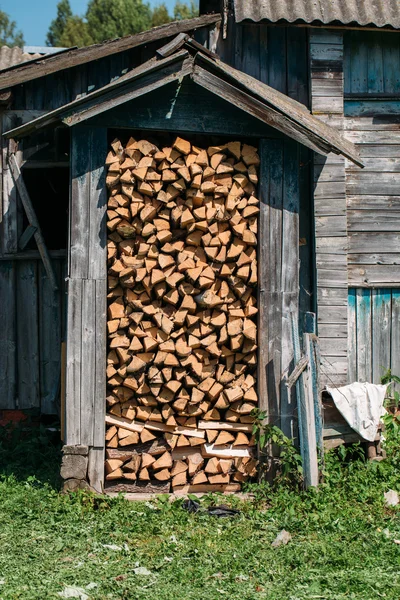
(30, 213)
(72, 58)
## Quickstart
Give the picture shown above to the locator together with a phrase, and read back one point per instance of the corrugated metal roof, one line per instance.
(14, 56)
(378, 13)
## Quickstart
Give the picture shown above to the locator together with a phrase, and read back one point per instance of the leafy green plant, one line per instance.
(268, 436)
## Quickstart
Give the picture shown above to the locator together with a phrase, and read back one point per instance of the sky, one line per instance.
(33, 17)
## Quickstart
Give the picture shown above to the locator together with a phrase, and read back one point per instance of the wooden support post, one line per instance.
(306, 388)
(32, 218)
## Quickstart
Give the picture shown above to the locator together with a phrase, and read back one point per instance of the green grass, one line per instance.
(342, 539)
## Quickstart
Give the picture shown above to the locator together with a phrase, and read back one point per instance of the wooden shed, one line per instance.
(315, 100)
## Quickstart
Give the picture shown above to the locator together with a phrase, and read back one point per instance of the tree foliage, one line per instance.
(160, 15)
(185, 11)
(108, 19)
(9, 36)
(59, 24)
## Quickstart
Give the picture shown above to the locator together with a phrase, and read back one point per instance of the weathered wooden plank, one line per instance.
(332, 330)
(74, 362)
(373, 137)
(381, 326)
(374, 275)
(97, 205)
(9, 199)
(7, 336)
(28, 390)
(96, 468)
(330, 189)
(366, 108)
(99, 405)
(332, 314)
(352, 335)
(367, 202)
(327, 104)
(333, 347)
(395, 333)
(331, 297)
(327, 87)
(383, 220)
(364, 335)
(332, 277)
(332, 226)
(325, 36)
(49, 339)
(334, 245)
(386, 164)
(331, 261)
(379, 150)
(326, 51)
(365, 243)
(290, 275)
(88, 361)
(80, 203)
(326, 207)
(329, 172)
(374, 259)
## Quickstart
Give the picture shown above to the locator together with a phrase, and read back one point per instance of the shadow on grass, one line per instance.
(29, 451)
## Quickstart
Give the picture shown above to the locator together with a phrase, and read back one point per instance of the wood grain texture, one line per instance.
(7, 336)
(27, 335)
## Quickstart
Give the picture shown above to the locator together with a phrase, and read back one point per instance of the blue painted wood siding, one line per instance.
(371, 63)
(374, 333)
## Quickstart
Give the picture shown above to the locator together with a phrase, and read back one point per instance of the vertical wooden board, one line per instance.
(9, 204)
(359, 63)
(395, 338)
(297, 64)
(290, 274)
(263, 55)
(80, 200)
(251, 49)
(49, 338)
(99, 407)
(97, 268)
(88, 360)
(277, 67)
(7, 335)
(375, 66)
(381, 326)
(74, 362)
(364, 335)
(352, 335)
(391, 65)
(263, 284)
(96, 468)
(27, 335)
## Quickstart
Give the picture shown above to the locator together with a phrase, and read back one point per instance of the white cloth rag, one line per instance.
(361, 404)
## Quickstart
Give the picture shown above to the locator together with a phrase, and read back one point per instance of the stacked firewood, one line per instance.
(182, 265)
